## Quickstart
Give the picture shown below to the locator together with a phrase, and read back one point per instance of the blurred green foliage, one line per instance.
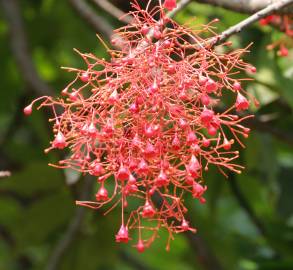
(250, 231)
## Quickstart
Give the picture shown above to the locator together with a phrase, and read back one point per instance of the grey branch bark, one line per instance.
(20, 48)
(99, 24)
(245, 6)
(252, 19)
(204, 254)
(113, 10)
(4, 174)
(277, 133)
(127, 18)
(181, 5)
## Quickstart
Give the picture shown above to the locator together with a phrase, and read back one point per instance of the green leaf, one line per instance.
(35, 178)
(42, 219)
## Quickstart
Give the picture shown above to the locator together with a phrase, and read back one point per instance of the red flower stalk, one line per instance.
(146, 121)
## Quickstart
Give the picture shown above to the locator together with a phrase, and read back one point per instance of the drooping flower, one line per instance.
(59, 141)
(102, 194)
(241, 102)
(122, 235)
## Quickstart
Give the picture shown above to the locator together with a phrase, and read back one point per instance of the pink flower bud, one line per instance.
(237, 86)
(28, 110)
(84, 77)
(140, 246)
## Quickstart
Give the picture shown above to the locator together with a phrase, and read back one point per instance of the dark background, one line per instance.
(247, 222)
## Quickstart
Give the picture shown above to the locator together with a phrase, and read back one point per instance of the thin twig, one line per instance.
(204, 254)
(19, 46)
(127, 18)
(23, 261)
(267, 127)
(99, 23)
(114, 11)
(72, 229)
(250, 20)
(245, 6)
(181, 5)
(132, 260)
(245, 205)
(15, 119)
(5, 174)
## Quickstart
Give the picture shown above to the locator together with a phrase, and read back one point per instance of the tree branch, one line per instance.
(281, 135)
(126, 18)
(113, 10)
(181, 5)
(72, 229)
(204, 254)
(99, 24)
(250, 20)
(4, 174)
(23, 261)
(19, 46)
(245, 205)
(245, 6)
(132, 261)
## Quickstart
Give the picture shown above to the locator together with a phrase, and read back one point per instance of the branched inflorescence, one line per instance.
(148, 123)
(285, 24)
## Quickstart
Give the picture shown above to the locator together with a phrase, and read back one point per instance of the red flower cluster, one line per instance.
(285, 24)
(148, 123)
